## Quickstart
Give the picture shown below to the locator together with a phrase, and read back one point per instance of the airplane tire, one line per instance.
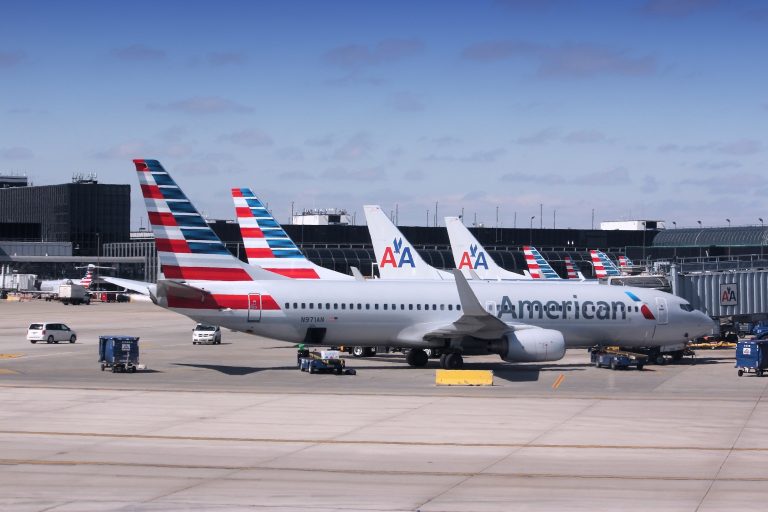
(453, 361)
(358, 351)
(417, 357)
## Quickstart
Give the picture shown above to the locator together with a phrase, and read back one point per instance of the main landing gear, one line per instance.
(449, 360)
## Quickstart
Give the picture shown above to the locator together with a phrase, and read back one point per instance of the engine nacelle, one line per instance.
(533, 345)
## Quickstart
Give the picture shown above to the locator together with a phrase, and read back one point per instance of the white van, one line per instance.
(50, 333)
(203, 333)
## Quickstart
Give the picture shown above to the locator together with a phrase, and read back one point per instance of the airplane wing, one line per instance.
(474, 321)
(136, 286)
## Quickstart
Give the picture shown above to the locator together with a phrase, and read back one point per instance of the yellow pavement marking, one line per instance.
(559, 380)
(5, 371)
(10, 356)
(464, 377)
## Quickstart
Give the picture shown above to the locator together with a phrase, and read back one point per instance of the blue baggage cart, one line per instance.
(752, 356)
(120, 353)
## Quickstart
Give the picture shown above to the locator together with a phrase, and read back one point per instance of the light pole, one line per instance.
(729, 222)
(699, 222)
(530, 231)
(761, 221)
(674, 224)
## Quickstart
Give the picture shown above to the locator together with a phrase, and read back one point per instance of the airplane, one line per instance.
(537, 265)
(625, 262)
(269, 246)
(604, 267)
(518, 320)
(52, 285)
(470, 256)
(395, 256)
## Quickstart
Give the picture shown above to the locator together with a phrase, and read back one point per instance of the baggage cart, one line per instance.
(119, 353)
(752, 356)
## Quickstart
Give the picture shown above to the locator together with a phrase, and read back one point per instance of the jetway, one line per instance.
(736, 293)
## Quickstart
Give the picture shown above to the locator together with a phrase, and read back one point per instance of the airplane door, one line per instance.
(254, 307)
(661, 307)
(490, 306)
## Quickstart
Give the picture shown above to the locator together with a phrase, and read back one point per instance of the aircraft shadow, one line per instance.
(226, 370)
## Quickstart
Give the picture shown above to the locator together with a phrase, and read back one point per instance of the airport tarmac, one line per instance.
(237, 427)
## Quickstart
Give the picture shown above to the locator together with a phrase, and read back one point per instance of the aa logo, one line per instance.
(404, 256)
(728, 295)
(473, 259)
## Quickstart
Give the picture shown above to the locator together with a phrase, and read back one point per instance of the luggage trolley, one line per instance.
(120, 353)
(752, 356)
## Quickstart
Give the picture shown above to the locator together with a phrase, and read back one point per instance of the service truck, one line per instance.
(71, 293)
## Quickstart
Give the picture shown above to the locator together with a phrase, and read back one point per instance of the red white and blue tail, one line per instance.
(187, 247)
(570, 268)
(269, 246)
(604, 267)
(625, 262)
(85, 282)
(537, 265)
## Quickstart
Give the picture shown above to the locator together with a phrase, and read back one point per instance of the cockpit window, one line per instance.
(686, 307)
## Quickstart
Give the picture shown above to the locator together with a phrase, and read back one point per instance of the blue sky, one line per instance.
(638, 109)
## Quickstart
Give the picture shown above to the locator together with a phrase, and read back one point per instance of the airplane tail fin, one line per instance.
(570, 267)
(266, 243)
(395, 256)
(539, 267)
(604, 267)
(625, 262)
(86, 281)
(187, 248)
(469, 255)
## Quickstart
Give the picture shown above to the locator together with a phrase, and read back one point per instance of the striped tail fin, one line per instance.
(570, 267)
(625, 262)
(604, 267)
(537, 265)
(269, 246)
(85, 282)
(187, 247)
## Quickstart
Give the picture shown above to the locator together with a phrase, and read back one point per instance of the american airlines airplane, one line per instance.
(518, 320)
(52, 286)
(470, 256)
(537, 265)
(570, 268)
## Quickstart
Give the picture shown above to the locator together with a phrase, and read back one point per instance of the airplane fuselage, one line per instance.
(382, 312)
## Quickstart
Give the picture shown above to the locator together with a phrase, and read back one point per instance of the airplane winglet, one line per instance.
(469, 302)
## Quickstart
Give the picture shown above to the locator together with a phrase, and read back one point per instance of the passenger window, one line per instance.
(367, 306)
(359, 306)
(335, 306)
(303, 305)
(343, 305)
(327, 305)
(376, 307)
(385, 307)
(311, 305)
(418, 307)
(295, 305)
(450, 307)
(402, 306)
(434, 307)
(287, 305)
(458, 307)
(319, 305)
(442, 307)
(410, 307)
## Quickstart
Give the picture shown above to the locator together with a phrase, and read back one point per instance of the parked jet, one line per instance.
(470, 256)
(52, 286)
(571, 269)
(604, 267)
(519, 320)
(395, 256)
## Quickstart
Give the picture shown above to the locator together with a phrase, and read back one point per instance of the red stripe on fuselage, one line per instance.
(151, 192)
(206, 273)
(251, 233)
(162, 219)
(168, 245)
(259, 252)
(222, 301)
(296, 273)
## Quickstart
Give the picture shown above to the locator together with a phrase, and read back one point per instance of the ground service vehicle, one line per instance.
(119, 353)
(206, 334)
(71, 293)
(50, 332)
(752, 356)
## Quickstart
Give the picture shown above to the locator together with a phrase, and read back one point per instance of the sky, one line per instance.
(654, 109)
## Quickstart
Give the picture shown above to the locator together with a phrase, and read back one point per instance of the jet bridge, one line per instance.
(733, 293)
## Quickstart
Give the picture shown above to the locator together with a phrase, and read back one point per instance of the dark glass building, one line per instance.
(88, 214)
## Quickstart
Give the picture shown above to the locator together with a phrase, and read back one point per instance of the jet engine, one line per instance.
(532, 345)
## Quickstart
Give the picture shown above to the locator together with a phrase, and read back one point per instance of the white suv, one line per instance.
(203, 333)
(50, 332)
